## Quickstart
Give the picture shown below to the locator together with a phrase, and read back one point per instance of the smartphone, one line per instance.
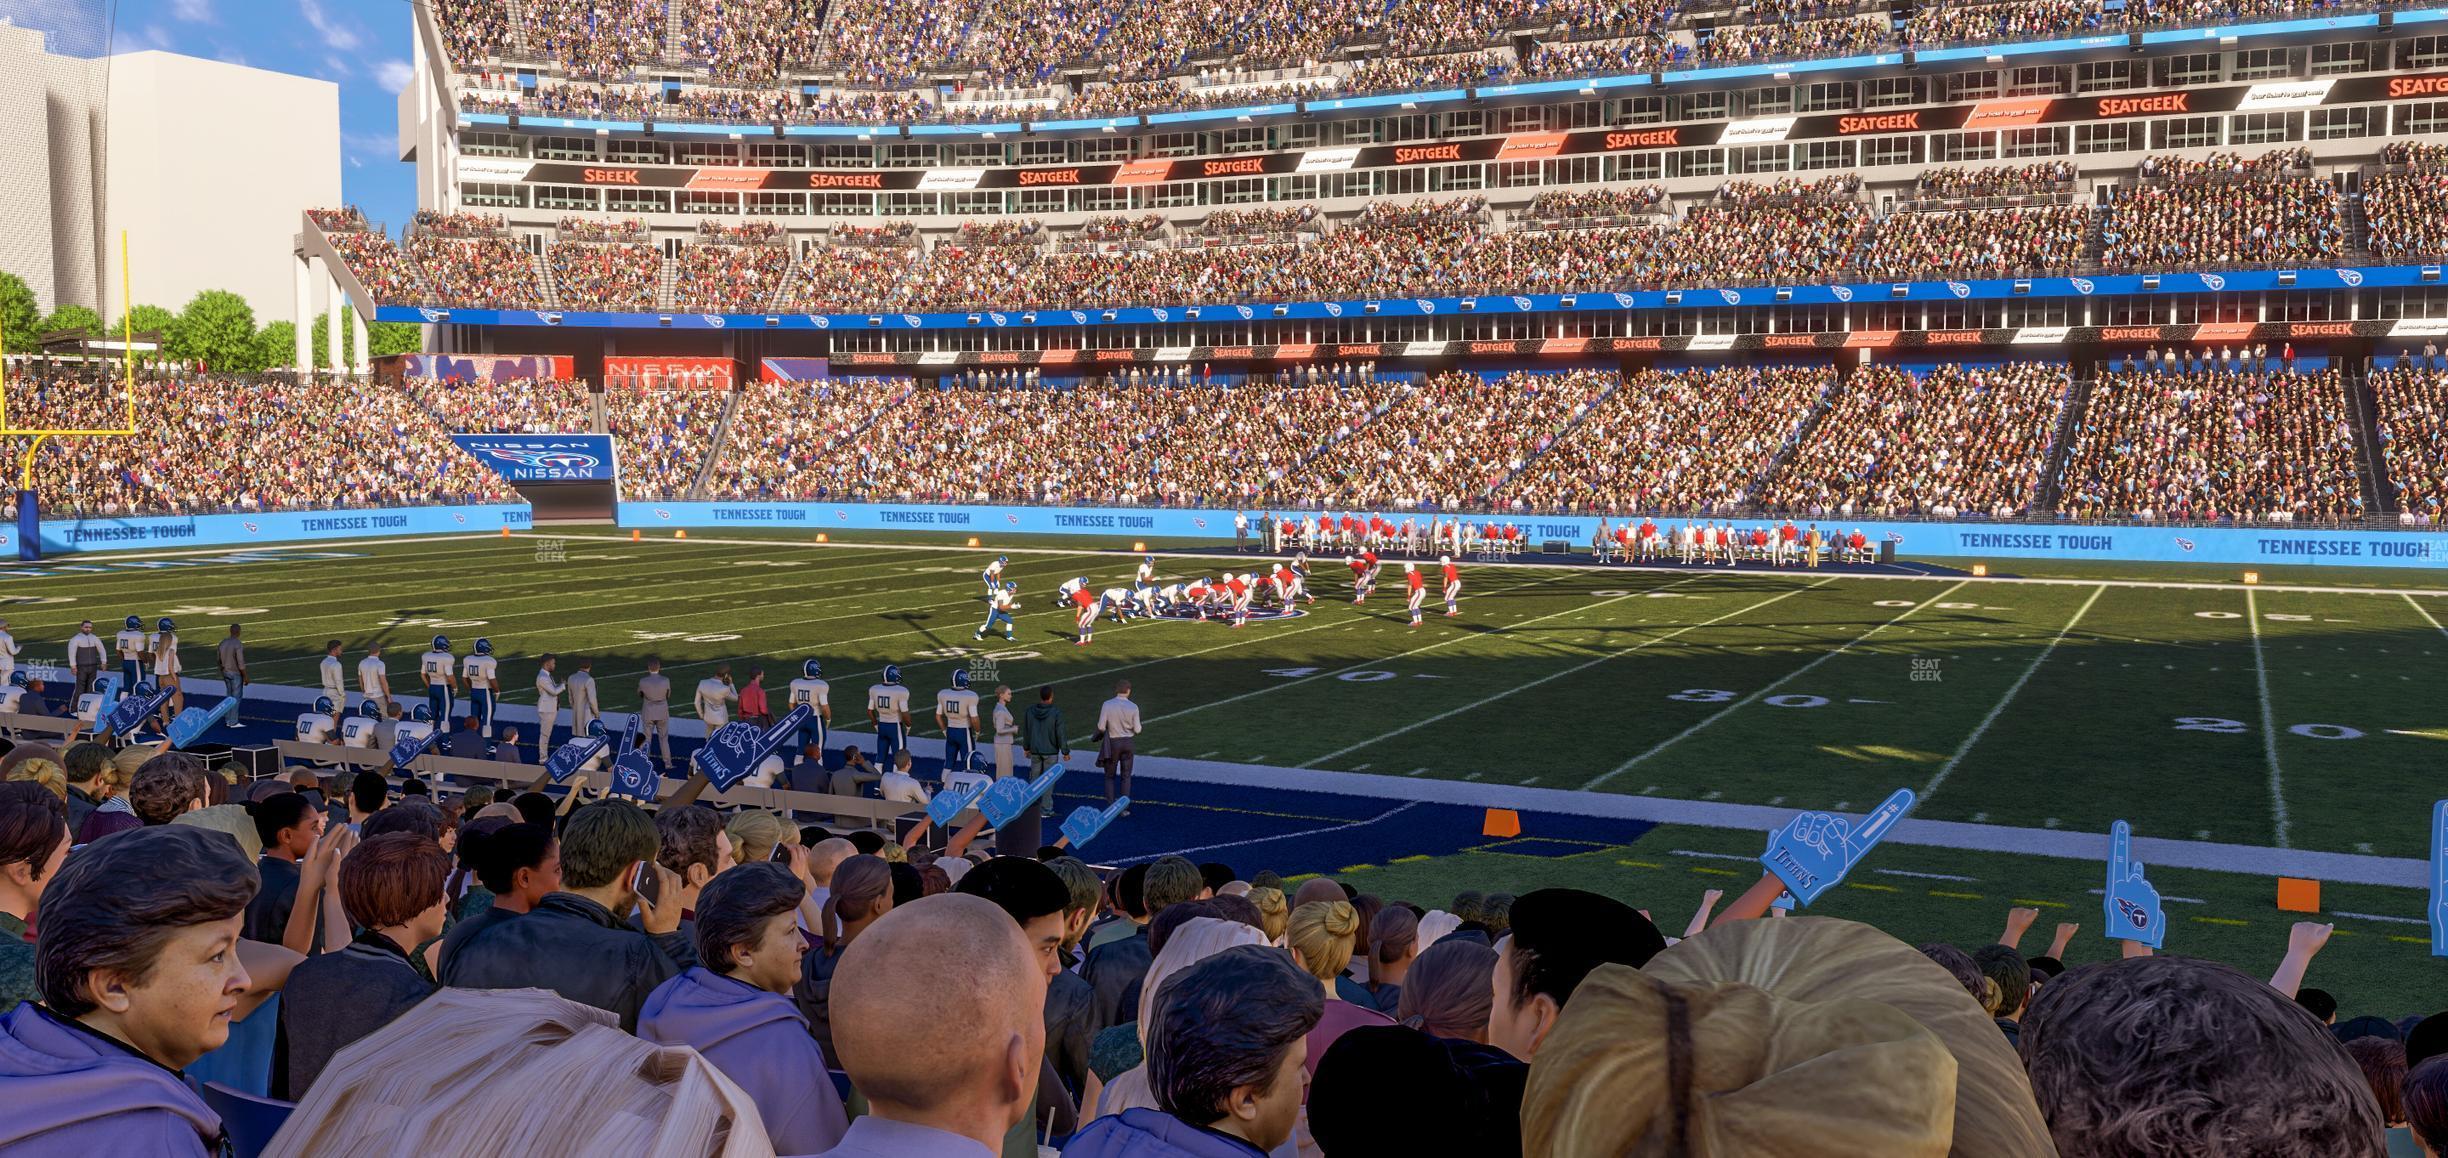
(646, 883)
(781, 853)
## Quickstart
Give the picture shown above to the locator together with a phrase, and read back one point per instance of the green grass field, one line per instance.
(2310, 720)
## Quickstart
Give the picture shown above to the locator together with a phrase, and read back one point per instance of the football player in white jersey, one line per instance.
(888, 711)
(483, 674)
(1119, 603)
(956, 712)
(319, 725)
(1064, 595)
(1143, 587)
(441, 671)
(131, 643)
(1146, 573)
(364, 729)
(811, 689)
(994, 575)
(1000, 604)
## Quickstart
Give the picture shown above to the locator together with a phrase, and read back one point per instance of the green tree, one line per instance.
(17, 315)
(275, 345)
(390, 338)
(218, 329)
(71, 317)
(320, 339)
(148, 319)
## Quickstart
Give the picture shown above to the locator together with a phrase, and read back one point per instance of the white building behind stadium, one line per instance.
(207, 166)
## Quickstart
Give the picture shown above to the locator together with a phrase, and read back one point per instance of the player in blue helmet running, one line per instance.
(888, 706)
(811, 689)
(994, 574)
(1002, 599)
(441, 671)
(956, 712)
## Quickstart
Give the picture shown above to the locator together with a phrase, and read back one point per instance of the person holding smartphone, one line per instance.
(578, 942)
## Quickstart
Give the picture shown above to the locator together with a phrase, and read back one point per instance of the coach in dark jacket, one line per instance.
(575, 942)
(392, 885)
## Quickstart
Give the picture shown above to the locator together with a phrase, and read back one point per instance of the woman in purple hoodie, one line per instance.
(734, 1006)
(140, 977)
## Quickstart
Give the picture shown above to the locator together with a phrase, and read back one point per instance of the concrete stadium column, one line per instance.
(365, 354)
(304, 329)
(331, 329)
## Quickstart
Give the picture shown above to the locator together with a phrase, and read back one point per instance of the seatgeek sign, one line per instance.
(2261, 546)
(543, 458)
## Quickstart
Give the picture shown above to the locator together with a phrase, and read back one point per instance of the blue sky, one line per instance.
(360, 45)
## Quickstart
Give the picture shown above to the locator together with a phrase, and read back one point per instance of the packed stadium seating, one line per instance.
(2410, 420)
(1444, 443)
(664, 437)
(2222, 212)
(2244, 444)
(524, 406)
(1697, 441)
(1941, 443)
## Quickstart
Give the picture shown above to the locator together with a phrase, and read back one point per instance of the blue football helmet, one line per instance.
(960, 677)
(370, 710)
(812, 669)
(17, 679)
(135, 624)
(165, 625)
(1011, 585)
(892, 673)
(441, 643)
(144, 688)
(1150, 560)
(423, 714)
(595, 728)
(978, 763)
(1003, 559)
(484, 646)
(323, 705)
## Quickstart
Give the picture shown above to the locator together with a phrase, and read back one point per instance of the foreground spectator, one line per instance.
(734, 1006)
(140, 973)
(2229, 1065)
(33, 843)
(1558, 936)
(1227, 1062)
(391, 887)
(576, 942)
(939, 1030)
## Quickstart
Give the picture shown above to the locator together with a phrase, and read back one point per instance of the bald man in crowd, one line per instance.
(938, 1018)
(822, 859)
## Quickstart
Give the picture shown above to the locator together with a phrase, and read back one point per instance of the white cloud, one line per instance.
(192, 11)
(338, 36)
(393, 75)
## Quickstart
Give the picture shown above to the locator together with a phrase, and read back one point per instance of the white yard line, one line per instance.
(1547, 679)
(1788, 677)
(1386, 815)
(1948, 769)
(2425, 612)
(2269, 722)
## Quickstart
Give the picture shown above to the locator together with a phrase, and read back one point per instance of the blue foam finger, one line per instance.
(733, 753)
(191, 724)
(403, 753)
(567, 759)
(951, 802)
(136, 709)
(1815, 850)
(1086, 821)
(1004, 801)
(2439, 879)
(2130, 903)
(634, 777)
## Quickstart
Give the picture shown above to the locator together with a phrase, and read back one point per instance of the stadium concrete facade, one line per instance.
(205, 165)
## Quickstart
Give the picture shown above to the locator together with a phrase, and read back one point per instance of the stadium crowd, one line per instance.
(212, 447)
(1444, 443)
(2235, 440)
(319, 941)
(2410, 419)
(2224, 210)
(1938, 443)
(664, 436)
(734, 269)
(519, 406)
(615, 276)
(1696, 441)
(469, 260)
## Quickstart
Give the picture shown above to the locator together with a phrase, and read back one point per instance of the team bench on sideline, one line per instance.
(18, 723)
(882, 815)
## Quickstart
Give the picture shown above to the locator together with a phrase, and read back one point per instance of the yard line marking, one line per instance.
(2230, 921)
(1367, 664)
(1955, 896)
(2425, 612)
(1450, 713)
(1926, 876)
(2379, 917)
(1346, 827)
(1788, 677)
(1711, 855)
(1948, 769)
(2269, 722)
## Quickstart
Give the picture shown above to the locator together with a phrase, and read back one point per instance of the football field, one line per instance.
(2275, 717)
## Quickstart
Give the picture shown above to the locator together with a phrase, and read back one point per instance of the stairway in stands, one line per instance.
(548, 293)
(2061, 446)
(514, 11)
(674, 50)
(2379, 498)
(1555, 439)
(714, 449)
(667, 285)
(1802, 434)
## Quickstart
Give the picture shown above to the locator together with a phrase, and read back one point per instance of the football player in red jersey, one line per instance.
(1364, 575)
(1417, 590)
(1240, 589)
(1453, 586)
(1087, 602)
